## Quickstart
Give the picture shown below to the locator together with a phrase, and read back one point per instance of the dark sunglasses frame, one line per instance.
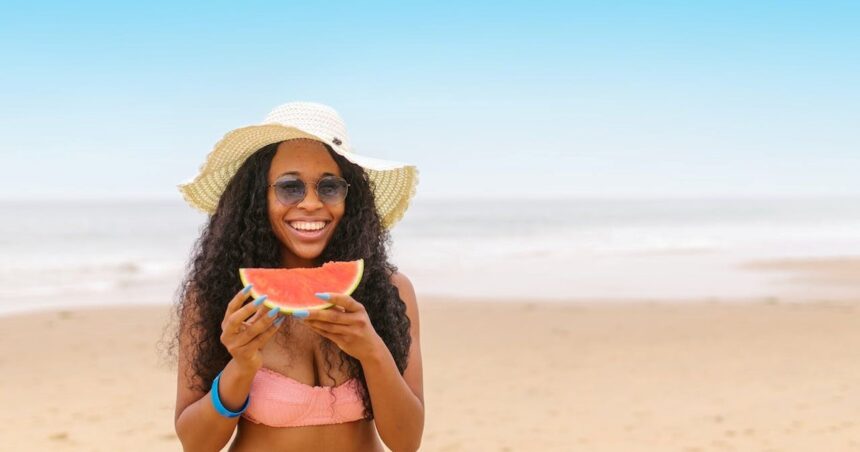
(305, 189)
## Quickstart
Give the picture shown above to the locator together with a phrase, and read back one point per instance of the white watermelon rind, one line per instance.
(254, 294)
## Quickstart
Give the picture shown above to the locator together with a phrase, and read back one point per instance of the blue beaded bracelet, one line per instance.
(219, 407)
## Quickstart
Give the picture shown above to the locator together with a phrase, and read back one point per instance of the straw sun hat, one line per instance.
(394, 183)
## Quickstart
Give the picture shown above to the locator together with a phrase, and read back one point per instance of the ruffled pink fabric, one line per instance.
(280, 401)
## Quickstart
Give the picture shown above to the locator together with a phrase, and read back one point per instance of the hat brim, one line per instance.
(394, 183)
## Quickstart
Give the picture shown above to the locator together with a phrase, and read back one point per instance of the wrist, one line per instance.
(234, 386)
(378, 352)
(243, 371)
(220, 405)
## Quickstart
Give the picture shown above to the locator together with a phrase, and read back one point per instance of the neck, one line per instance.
(293, 261)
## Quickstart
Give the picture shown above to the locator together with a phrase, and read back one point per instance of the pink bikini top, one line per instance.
(280, 401)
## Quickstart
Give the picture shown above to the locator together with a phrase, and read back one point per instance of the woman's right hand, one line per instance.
(244, 337)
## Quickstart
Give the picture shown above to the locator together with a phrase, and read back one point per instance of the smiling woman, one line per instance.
(289, 193)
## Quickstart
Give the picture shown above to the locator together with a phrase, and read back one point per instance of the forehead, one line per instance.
(308, 159)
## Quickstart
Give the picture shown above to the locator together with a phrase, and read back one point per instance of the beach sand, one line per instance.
(703, 375)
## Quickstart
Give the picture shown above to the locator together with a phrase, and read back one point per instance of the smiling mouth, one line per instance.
(309, 234)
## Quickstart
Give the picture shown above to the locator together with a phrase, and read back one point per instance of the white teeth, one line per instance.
(308, 226)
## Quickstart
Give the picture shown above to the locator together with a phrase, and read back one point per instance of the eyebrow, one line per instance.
(299, 173)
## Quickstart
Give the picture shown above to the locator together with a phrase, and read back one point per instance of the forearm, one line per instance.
(200, 427)
(398, 412)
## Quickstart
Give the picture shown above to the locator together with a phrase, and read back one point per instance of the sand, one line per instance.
(700, 375)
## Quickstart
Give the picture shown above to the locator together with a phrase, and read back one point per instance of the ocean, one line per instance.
(65, 253)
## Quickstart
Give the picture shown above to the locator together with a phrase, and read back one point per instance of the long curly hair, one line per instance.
(239, 234)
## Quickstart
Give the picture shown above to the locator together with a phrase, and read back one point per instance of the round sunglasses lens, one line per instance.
(332, 190)
(290, 192)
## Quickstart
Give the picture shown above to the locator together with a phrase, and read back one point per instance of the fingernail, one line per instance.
(301, 313)
(279, 321)
(324, 296)
(274, 312)
(260, 300)
(247, 289)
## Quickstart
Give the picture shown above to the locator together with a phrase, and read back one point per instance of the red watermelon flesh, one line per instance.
(293, 289)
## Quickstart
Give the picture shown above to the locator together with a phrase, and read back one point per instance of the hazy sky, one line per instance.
(542, 99)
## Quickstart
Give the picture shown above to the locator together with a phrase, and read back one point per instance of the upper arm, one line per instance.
(186, 394)
(414, 369)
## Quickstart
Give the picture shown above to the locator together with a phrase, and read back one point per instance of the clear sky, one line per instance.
(593, 98)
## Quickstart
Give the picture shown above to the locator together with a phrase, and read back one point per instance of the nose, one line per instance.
(311, 201)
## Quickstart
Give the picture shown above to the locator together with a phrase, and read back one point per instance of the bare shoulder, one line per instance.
(414, 373)
(407, 294)
(400, 280)
(407, 291)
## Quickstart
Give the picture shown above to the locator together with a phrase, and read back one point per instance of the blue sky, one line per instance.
(530, 98)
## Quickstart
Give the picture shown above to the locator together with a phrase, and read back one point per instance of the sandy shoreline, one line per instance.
(498, 376)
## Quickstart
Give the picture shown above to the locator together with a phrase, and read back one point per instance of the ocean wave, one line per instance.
(52, 279)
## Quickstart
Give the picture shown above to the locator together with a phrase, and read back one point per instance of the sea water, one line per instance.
(60, 253)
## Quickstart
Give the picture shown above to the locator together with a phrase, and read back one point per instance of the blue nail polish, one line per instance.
(323, 296)
(247, 289)
(300, 314)
(259, 301)
(274, 312)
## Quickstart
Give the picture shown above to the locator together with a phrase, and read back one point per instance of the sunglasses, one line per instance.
(330, 190)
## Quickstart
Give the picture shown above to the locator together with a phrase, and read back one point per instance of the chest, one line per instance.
(300, 353)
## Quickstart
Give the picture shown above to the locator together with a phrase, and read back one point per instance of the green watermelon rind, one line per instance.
(271, 305)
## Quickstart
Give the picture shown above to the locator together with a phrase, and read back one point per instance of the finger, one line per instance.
(246, 311)
(332, 328)
(343, 300)
(248, 322)
(336, 338)
(237, 300)
(261, 324)
(262, 339)
(260, 310)
(328, 315)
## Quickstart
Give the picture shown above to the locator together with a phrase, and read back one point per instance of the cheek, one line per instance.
(276, 214)
(339, 211)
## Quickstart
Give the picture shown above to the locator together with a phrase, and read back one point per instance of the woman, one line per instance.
(339, 379)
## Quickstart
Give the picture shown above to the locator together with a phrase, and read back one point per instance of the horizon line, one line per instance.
(498, 197)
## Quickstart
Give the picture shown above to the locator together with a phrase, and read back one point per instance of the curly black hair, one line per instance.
(239, 234)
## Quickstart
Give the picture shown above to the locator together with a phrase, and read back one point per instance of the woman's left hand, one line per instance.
(347, 325)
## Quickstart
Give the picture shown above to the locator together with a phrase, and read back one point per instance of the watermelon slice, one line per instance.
(293, 289)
